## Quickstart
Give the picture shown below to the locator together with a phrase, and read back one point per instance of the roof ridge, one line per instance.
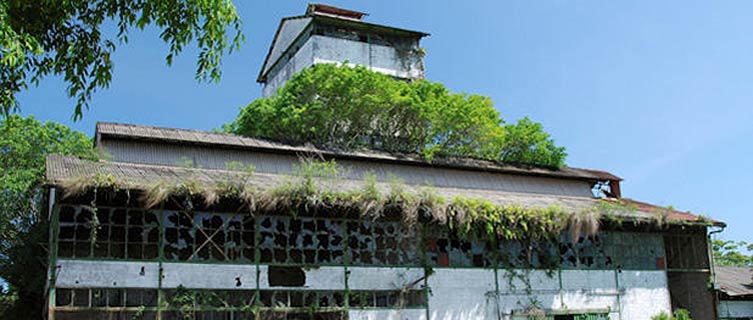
(177, 167)
(267, 144)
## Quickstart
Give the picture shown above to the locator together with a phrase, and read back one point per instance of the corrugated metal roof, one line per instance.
(318, 8)
(735, 281)
(61, 168)
(670, 214)
(222, 140)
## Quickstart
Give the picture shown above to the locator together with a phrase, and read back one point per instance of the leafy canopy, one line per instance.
(65, 38)
(731, 253)
(24, 143)
(344, 108)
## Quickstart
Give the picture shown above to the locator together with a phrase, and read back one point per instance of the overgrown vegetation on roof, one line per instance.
(313, 188)
(344, 108)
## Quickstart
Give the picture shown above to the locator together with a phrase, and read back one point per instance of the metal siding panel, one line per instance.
(210, 158)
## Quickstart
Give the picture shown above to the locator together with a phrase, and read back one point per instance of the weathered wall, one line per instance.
(316, 49)
(376, 57)
(730, 309)
(461, 294)
(367, 269)
(302, 57)
(454, 293)
(688, 272)
(289, 31)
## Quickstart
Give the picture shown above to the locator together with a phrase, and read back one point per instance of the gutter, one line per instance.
(710, 251)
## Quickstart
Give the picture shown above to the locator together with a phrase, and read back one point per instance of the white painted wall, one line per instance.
(209, 276)
(646, 294)
(640, 294)
(459, 293)
(362, 278)
(467, 294)
(514, 295)
(106, 274)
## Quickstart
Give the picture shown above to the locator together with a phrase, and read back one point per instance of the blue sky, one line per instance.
(657, 92)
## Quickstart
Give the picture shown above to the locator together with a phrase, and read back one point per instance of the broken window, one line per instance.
(105, 314)
(528, 253)
(383, 243)
(605, 250)
(302, 315)
(389, 299)
(635, 250)
(451, 251)
(116, 233)
(209, 237)
(202, 298)
(75, 232)
(302, 299)
(105, 297)
(586, 252)
(301, 240)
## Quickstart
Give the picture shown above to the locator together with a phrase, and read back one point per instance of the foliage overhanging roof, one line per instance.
(197, 137)
(64, 169)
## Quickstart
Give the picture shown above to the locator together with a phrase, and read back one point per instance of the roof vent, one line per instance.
(327, 10)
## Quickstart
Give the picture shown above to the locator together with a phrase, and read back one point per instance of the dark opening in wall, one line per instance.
(286, 276)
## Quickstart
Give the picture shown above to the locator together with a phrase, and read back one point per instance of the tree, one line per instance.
(65, 38)
(731, 253)
(24, 143)
(344, 108)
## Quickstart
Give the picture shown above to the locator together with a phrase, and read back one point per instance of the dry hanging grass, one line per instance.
(584, 223)
(157, 194)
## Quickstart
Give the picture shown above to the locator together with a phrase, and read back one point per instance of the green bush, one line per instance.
(344, 108)
(679, 314)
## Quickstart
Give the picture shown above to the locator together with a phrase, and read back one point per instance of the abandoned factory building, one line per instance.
(146, 234)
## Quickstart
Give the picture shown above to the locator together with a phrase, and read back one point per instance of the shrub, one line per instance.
(344, 108)
(679, 314)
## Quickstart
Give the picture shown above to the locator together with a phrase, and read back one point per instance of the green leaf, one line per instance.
(351, 108)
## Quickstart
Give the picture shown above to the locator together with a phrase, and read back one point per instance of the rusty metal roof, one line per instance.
(223, 140)
(669, 213)
(318, 8)
(735, 281)
(142, 176)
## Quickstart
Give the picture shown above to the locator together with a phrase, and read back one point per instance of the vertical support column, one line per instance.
(617, 285)
(425, 265)
(346, 263)
(160, 257)
(561, 290)
(257, 259)
(497, 293)
(52, 267)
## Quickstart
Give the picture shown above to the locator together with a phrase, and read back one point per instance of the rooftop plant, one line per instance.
(350, 108)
